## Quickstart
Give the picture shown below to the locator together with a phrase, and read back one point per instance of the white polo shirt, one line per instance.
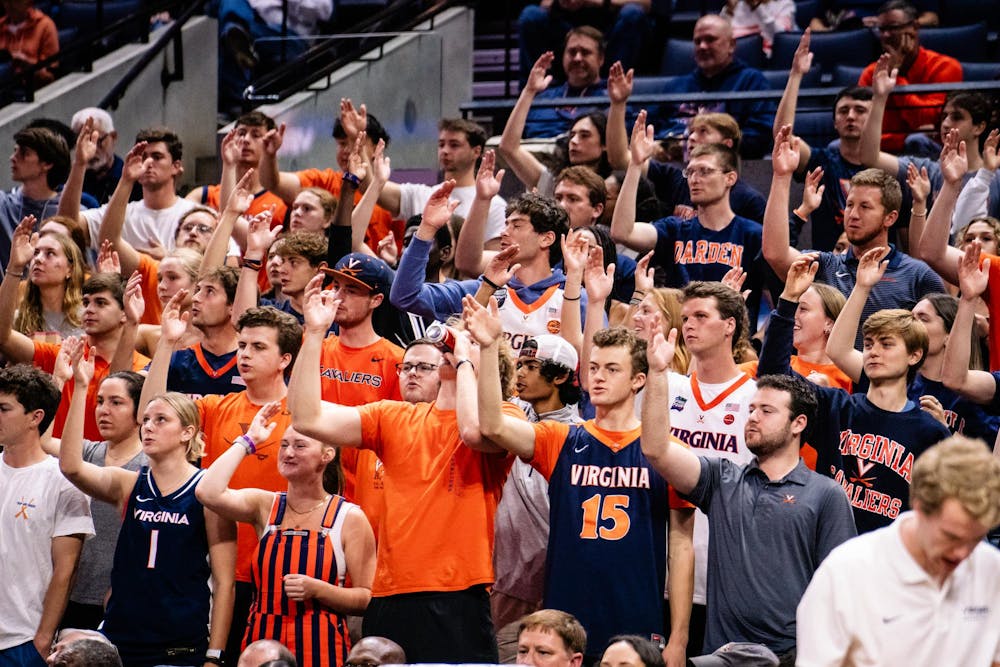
(871, 604)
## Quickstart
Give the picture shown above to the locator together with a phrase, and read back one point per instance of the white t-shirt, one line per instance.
(36, 504)
(710, 419)
(413, 197)
(870, 604)
(142, 223)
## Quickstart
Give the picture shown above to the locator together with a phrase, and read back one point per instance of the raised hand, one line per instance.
(660, 351)
(619, 83)
(173, 322)
(886, 71)
(387, 249)
(135, 303)
(62, 369)
(785, 154)
(230, 148)
(812, 193)
(381, 167)
(263, 426)
(107, 259)
(86, 143)
(954, 160)
(134, 163)
(353, 120)
(483, 324)
(800, 276)
(973, 279)
(990, 159)
(575, 250)
(241, 197)
(538, 77)
(273, 140)
(919, 182)
(932, 406)
(871, 267)
(499, 270)
(598, 279)
(260, 236)
(83, 365)
(22, 245)
(803, 57)
(643, 143)
(356, 162)
(734, 278)
(320, 306)
(488, 183)
(439, 208)
(643, 273)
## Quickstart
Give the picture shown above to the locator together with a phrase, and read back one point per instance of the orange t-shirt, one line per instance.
(440, 499)
(262, 201)
(45, 358)
(223, 419)
(148, 268)
(355, 376)
(381, 222)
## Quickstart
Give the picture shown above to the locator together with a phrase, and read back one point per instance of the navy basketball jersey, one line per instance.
(607, 539)
(198, 373)
(158, 611)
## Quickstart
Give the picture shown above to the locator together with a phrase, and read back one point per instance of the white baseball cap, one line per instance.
(549, 347)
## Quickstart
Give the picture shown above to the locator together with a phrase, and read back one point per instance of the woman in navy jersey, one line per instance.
(169, 545)
(316, 558)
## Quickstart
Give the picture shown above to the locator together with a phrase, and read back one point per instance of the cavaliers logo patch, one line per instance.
(553, 326)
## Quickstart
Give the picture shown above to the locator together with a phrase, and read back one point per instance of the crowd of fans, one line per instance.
(326, 418)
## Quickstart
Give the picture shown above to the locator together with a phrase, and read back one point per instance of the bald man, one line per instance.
(376, 651)
(263, 651)
(718, 71)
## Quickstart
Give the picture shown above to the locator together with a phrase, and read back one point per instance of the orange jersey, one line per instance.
(262, 201)
(148, 270)
(440, 499)
(992, 298)
(45, 358)
(381, 222)
(355, 376)
(223, 419)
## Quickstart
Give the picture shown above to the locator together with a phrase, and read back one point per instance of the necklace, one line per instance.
(309, 511)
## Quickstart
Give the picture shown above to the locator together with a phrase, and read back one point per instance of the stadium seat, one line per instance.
(846, 75)
(778, 78)
(83, 17)
(806, 11)
(650, 85)
(964, 42)
(678, 55)
(963, 12)
(980, 71)
(815, 127)
(854, 47)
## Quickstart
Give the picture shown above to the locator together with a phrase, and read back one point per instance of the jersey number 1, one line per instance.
(154, 536)
(613, 510)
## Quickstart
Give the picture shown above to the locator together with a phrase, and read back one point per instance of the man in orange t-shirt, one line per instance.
(104, 320)
(288, 185)
(267, 342)
(442, 484)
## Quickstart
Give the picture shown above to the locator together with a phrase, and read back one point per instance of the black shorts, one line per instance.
(449, 627)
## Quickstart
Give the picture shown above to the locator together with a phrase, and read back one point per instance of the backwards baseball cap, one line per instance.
(365, 270)
(549, 347)
(738, 654)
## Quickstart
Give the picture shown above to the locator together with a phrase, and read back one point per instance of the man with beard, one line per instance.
(871, 208)
(772, 510)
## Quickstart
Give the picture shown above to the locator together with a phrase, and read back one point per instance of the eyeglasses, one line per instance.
(700, 172)
(201, 229)
(420, 369)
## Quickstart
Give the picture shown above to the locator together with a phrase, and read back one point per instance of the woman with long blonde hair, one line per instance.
(50, 304)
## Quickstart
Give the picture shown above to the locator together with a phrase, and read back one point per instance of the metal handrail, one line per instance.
(322, 59)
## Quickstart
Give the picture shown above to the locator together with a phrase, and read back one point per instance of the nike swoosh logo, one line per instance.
(580, 449)
(140, 499)
(890, 619)
(842, 274)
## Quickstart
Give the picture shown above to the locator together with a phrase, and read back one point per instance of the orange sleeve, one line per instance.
(147, 269)
(328, 179)
(45, 355)
(550, 437)
(749, 367)
(372, 417)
